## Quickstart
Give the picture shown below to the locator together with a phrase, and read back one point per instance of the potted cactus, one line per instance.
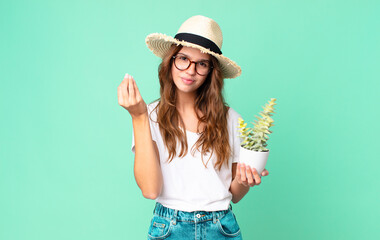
(253, 151)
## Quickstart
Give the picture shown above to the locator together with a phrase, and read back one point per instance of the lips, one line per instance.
(187, 81)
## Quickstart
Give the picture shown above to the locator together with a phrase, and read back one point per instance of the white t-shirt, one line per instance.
(187, 184)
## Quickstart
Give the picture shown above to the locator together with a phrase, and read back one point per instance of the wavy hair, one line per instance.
(209, 101)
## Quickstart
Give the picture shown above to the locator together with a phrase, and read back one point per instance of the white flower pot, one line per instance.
(254, 159)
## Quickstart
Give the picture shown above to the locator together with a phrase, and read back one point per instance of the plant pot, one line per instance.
(254, 159)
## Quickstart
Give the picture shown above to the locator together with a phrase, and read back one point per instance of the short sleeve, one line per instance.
(235, 139)
(152, 116)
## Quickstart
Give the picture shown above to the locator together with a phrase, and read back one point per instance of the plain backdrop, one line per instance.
(66, 168)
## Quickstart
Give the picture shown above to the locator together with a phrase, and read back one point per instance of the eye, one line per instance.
(183, 58)
(204, 64)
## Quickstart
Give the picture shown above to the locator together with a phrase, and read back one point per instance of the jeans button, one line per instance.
(198, 215)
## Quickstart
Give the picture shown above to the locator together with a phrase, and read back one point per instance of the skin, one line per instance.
(186, 93)
(147, 171)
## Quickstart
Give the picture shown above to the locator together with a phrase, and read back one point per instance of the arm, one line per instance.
(238, 190)
(147, 167)
(243, 178)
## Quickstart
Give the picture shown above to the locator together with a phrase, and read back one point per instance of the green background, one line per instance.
(66, 168)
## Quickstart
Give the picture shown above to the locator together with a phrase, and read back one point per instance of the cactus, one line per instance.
(255, 138)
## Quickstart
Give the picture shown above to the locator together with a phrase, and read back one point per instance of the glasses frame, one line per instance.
(211, 67)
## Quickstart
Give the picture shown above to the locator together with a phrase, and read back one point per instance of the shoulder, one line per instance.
(233, 116)
(233, 121)
(152, 110)
(151, 106)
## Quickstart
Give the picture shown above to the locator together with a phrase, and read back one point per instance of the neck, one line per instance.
(185, 101)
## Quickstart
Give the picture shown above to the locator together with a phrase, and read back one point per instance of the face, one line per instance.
(189, 80)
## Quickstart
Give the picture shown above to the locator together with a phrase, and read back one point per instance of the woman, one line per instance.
(186, 143)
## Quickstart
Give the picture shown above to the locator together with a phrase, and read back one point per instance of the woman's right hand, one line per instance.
(130, 98)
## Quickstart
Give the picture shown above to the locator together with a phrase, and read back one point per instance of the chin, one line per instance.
(183, 87)
(186, 90)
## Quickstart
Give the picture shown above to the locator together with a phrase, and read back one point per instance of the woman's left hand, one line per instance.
(248, 176)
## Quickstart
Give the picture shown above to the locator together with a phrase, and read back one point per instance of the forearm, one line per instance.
(147, 167)
(238, 191)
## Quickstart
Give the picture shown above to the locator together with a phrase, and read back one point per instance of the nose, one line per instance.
(191, 70)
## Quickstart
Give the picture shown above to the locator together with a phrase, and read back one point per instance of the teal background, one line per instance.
(66, 168)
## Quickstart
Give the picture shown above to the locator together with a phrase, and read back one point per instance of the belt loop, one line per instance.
(175, 216)
(154, 210)
(214, 218)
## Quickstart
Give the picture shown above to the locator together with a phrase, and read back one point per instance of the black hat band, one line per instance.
(199, 40)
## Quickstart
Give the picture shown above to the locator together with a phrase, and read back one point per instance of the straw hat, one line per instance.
(198, 32)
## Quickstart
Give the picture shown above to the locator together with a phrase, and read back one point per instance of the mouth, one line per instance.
(187, 81)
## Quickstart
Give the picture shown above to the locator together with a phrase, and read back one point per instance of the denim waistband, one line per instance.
(196, 216)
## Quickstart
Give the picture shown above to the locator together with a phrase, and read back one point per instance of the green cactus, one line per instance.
(255, 138)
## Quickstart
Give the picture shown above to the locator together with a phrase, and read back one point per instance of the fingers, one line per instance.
(243, 177)
(128, 93)
(131, 89)
(265, 173)
(257, 176)
(138, 95)
(133, 92)
(120, 95)
(122, 91)
(247, 176)
(251, 180)
(238, 174)
(130, 98)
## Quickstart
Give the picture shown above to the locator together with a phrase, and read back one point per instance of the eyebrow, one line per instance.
(197, 61)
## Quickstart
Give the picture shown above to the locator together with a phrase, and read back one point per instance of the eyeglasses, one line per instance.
(181, 62)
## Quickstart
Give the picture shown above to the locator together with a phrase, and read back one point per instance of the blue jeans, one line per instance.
(169, 223)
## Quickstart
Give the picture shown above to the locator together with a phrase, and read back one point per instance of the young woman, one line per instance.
(186, 143)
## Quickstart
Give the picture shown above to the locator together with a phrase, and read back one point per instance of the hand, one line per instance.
(248, 176)
(130, 98)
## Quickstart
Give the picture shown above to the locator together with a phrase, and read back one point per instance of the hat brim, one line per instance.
(160, 43)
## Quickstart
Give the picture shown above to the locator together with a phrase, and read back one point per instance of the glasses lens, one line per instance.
(203, 68)
(181, 62)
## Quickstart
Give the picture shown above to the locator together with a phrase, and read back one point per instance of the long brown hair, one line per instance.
(209, 101)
